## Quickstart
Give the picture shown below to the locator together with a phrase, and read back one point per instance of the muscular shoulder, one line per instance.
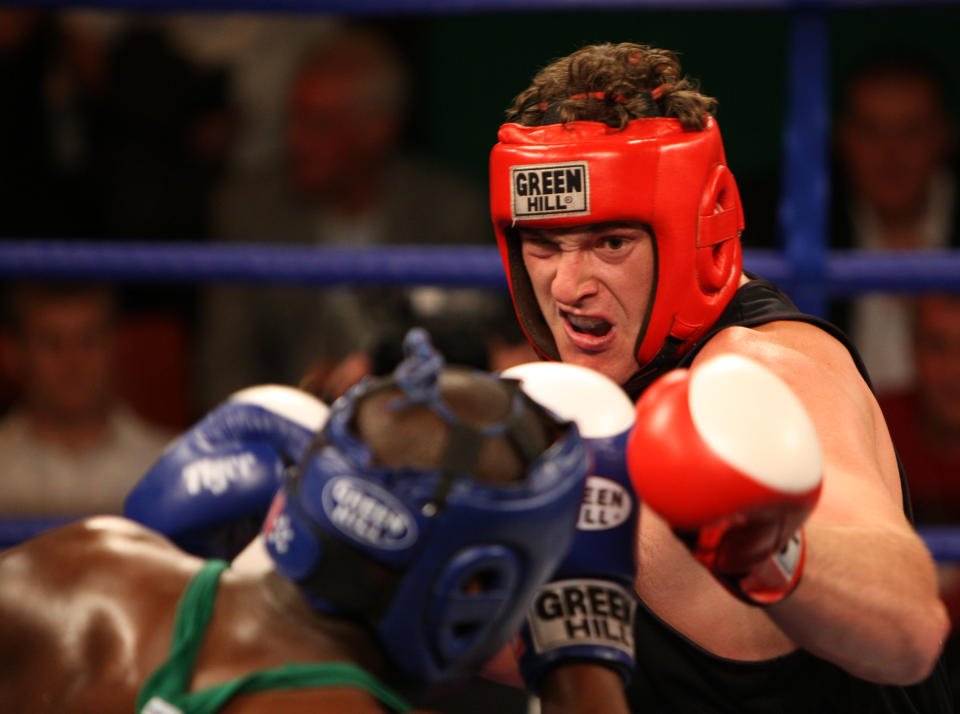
(822, 373)
(797, 351)
(104, 553)
(818, 368)
(90, 536)
(85, 601)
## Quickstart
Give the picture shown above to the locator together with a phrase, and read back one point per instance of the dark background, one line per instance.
(468, 68)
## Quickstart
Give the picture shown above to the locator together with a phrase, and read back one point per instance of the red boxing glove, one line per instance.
(728, 456)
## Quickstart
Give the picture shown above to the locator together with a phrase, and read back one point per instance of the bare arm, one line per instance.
(582, 689)
(868, 597)
(573, 688)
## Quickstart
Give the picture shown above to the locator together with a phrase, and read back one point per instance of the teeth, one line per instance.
(585, 323)
(590, 325)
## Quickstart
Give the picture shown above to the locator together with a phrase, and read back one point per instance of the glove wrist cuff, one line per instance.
(581, 619)
(773, 578)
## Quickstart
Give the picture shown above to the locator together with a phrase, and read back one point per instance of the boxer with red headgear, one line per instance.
(774, 543)
(568, 176)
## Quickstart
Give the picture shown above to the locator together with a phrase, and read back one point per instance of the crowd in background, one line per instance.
(291, 130)
(215, 128)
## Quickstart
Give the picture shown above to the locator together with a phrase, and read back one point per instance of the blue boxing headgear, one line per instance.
(440, 564)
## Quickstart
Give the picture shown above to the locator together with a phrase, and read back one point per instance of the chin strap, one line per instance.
(666, 359)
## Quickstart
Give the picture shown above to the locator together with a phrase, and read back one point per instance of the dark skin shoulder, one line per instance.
(72, 607)
(87, 610)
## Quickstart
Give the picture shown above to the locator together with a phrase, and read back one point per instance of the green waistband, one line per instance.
(168, 685)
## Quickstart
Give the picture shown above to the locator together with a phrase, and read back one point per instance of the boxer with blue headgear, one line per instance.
(409, 542)
(438, 545)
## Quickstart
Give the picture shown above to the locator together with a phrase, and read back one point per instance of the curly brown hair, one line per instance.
(612, 83)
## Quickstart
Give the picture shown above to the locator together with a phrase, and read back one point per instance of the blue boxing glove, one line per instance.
(210, 489)
(587, 611)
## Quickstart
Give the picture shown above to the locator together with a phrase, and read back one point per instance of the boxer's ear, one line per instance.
(720, 222)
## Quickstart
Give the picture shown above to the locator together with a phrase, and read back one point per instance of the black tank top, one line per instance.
(674, 674)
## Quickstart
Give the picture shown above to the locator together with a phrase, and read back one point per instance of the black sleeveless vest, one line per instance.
(674, 674)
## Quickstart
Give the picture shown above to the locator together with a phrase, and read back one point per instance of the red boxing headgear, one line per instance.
(652, 172)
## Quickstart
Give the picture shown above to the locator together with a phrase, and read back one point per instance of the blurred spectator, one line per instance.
(472, 328)
(507, 346)
(107, 131)
(897, 191)
(343, 181)
(67, 445)
(925, 419)
(924, 422)
(51, 79)
(165, 131)
(260, 53)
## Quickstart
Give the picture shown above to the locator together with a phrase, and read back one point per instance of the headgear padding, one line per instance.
(654, 172)
(439, 564)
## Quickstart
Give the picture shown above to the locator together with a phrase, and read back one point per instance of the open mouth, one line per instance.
(594, 326)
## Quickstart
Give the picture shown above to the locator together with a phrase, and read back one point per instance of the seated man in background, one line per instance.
(345, 180)
(407, 545)
(924, 422)
(68, 446)
(471, 327)
(896, 190)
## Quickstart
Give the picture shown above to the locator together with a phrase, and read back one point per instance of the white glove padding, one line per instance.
(587, 611)
(727, 454)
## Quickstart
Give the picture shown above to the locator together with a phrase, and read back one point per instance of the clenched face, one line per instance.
(593, 285)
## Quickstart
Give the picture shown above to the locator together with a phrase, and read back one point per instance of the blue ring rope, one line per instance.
(192, 262)
(803, 211)
(477, 266)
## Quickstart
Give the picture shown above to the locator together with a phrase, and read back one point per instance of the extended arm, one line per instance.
(867, 600)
